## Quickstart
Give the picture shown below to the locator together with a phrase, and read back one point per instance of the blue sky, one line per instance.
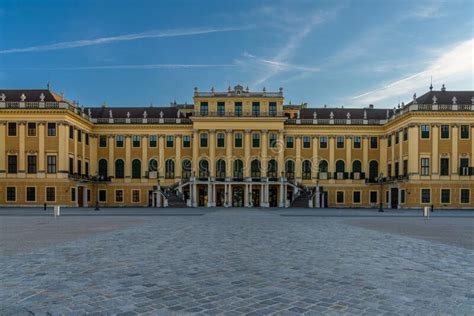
(133, 53)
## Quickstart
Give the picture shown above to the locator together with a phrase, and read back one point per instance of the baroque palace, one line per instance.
(237, 148)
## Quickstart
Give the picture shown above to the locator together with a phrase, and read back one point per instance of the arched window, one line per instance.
(290, 169)
(103, 168)
(323, 166)
(169, 169)
(153, 165)
(356, 166)
(203, 168)
(255, 169)
(220, 167)
(340, 166)
(373, 170)
(306, 170)
(238, 169)
(272, 169)
(186, 169)
(136, 169)
(119, 169)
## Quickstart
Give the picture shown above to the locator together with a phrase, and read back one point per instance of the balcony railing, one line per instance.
(239, 114)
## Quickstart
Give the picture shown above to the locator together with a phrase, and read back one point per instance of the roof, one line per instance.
(33, 95)
(445, 97)
(135, 112)
(341, 113)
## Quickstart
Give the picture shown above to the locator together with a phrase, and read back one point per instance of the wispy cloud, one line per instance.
(455, 66)
(120, 38)
(128, 67)
(280, 65)
(426, 10)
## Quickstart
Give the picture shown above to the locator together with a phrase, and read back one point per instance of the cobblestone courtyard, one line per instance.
(237, 262)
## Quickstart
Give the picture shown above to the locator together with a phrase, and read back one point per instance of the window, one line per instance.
(51, 129)
(323, 166)
(31, 129)
(102, 195)
(389, 169)
(31, 164)
(306, 170)
(79, 167)
(356, 166)
(389, 141)
(238, 140)
(86, 171)
(272, 168)
(169, 169)
(356, 197)
(153, 165)
(373, 197)
(71, 132)
(71, 165)
(11, 129)
(357, 142)
(402, 196)
(11, 194)
(272, 108)
(220, 140)
(204, 109)
(255, 140)
(397, 137)
(464, 131)
(290, 141)
(203, 137)
(102, 141)
(135, 141)
(405, 167)
(87, 139)
(169, 141)
(306, 142)
(238, 108)
(186, 169)
(12, 164)
(397, 169)
(255, 108)
(405, 134)
(88, 195)
(425, 166)
(103, 168)
(444, 131)
(119, 169)
(425, 196)
(238, 169)
(79, 136)
(445, 196)
(50, 194)
(220, 108)
(444, 166)
(323, 142)
(186, 141)
(152, 141)
(136, 169)
(220, 168)
(290, 169)
(51, 162)
(273, 140)
(340, 142)
(465, 196)
(119, 141)
(425, 131)
(255, 168)
(464, 166)
(135, 196)
(340, 197)
(373, 170)
(118, 195)
(30, 194)
(374, 142)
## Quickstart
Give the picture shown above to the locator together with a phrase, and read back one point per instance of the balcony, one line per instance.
(466, 171)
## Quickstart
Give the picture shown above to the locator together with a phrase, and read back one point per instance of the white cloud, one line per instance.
(119, 38)
(455, 67)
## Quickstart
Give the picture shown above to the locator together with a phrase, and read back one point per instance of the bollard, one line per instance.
(426, 212)
(45, 206)
(57, 210)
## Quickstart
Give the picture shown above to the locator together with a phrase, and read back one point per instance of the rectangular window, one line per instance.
(79, 135)
(340, 197)
(31, 164)
(119, 196)
(445, 196)
(389, 141)
(136, 196)
(203, 137)
(73, 194)
(402, 196)
(374, 142)
(290, 141)
(51, 129)
(88, 195)
(389, 169)
(31, 129)
(220, 108)
(238, 108)
(169, 141)
(444, 131)
(71, 165)
(238, 140)
(255, 140)
(103, 141)
(12, 164)
(306, 142)
(255, 108)
(357, 142)
(50, 194)
(152, 141)
(405, 134)
(79, 167)
(11, 194)
(30, 194)
(425, 166)
(323, 142)
(464, 131)
(405, 167)
(373, 197)
(71, 132)
(87, 139)
(425, 196)
(444, 166)
(136, 141)
(356, 197)
(273, 140)
(272, 108)
(340, 142)
(102, 195)
(11, 129)
(465, 196)
(186, 141)
(464, 166)
(397, 137)
(425, 131)
(204, 109)
(397, 169)
(86, 171)
(220, 140)
(119, 141)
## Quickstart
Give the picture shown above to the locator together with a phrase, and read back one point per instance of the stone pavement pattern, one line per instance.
(240, 262)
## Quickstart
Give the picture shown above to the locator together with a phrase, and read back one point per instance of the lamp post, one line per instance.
(380, 181)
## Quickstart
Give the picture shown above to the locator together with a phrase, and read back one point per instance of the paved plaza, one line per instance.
(236, 261)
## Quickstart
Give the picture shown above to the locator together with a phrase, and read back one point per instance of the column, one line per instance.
(392, 155)
(3, 157)
(212, 153)
(41, 151)
(413, 159)
(315, 160)
(111, 162)
(264, 152)
(400, 154)
(93, 154)
(209, 194)
(128, 156)
(21, 150)
(228, 154)
(383, 155)
(195, 162)
(74, 167)
(435, 150)
(282, 194)
(246, 195)
(365, 154)
(331, 163)
(178, 146)
(455, 150)
(247, 154)
(348, 146)
(161, 156)
(144, 143)
(83, 153)
(281, 152)
(226, 195)
(298, 159)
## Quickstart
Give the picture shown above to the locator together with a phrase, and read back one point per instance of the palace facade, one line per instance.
(237, 148)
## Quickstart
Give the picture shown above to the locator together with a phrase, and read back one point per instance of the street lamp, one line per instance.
(380, 181)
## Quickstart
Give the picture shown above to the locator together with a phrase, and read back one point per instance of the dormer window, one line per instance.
(272, 108)
(204, 109)
(255, 108)
(220, 108)
(238, 108)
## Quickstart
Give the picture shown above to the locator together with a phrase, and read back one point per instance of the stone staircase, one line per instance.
(301, 201)
(175, 201)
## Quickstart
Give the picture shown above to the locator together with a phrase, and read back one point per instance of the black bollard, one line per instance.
(97, 205)
(45, 206)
